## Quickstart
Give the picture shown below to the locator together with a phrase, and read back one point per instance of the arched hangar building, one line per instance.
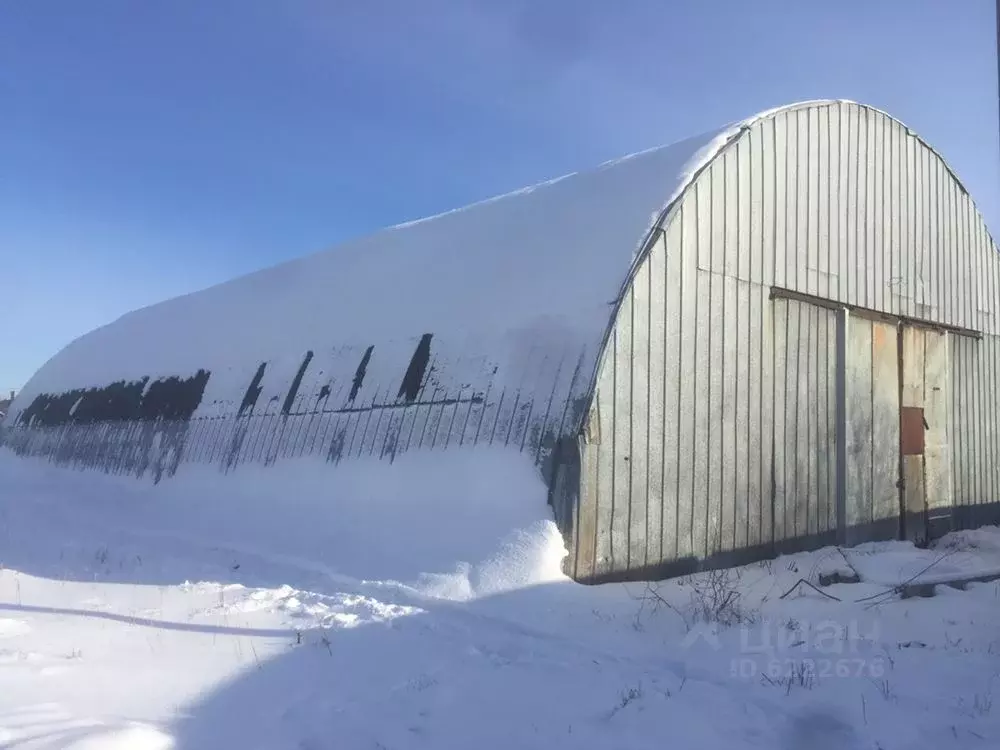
(773, 337)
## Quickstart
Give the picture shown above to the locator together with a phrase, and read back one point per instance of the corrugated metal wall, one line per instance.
(712, 433)
(975, 427)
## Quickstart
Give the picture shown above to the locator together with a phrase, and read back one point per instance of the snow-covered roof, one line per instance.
(552, 255)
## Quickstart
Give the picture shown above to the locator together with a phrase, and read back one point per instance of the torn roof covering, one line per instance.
(558, 251)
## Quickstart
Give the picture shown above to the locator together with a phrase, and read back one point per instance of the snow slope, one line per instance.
(183, 616)
(551, 255)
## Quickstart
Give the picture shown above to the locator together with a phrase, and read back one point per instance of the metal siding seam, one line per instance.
(861, 247)
(803, 252)
(877, 250)
(709, 500)
(869, 209)
(854, 207)
(769, 200)
(924, 224)
(776, 307)
(960, 419)
(939, 229)
(631, 426)
(649, 385)
(968, 264)
(686, 406)
(842, 219)
(780, 515)
(697, 379)
(680, 376)
(907, 224)
(994, 456)
(737, 495)
(979, 426)
(944, 261)
(833, 203)
(667, 290)
(955, 418)
(614, 446)
(890, 220)
(813, 417)
(726, 334)
(954, 286)
(789, 207)
(791, 451)
(960, 260)
(755, 437)
(793, 249)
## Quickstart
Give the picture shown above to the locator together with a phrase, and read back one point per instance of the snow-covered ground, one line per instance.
(421, 605)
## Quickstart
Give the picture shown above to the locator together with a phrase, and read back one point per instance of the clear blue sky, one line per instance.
(152, 148)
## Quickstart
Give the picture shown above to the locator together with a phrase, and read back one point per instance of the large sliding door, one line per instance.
(861, 442)
(872, 430)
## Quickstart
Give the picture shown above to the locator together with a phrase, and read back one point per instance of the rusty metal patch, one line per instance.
(911, 431)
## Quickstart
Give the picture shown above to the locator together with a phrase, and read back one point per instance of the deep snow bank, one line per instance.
(469, 523)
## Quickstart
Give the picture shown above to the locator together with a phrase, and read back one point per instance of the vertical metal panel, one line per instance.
(744, 208)
(730, 264)
(793, 449)
(779, 362)
(743, 498)
(906, 227)
(891, 222)
(877, 251)
(729, 433)
(757, 432)
(958, 419)
(658, 384)
(824, 188)
(822, 451)
(809, 168)
(621, 437)
(765, 162)
(639, 456)
(701, 503)
(920, 230)
(778, 223)
(713, 371)
(604, 412)
(673, 425)
(798, 161)
(843, 414)
(764, 410)
(858, 369)
(687, 433)
(797, 428)
(885, 423)
(990, 452)
(980, 460)
(868, 158)
(853, 243)
(585, 555)
(714, 375)
(840, 136)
